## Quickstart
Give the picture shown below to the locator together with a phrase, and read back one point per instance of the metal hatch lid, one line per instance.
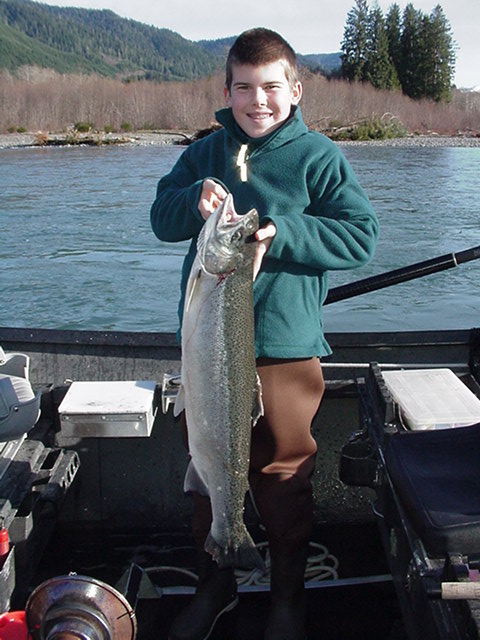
(108, 408)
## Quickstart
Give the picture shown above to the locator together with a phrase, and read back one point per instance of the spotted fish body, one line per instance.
(220, 390)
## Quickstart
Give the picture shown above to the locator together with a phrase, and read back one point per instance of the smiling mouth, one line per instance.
(259, 116)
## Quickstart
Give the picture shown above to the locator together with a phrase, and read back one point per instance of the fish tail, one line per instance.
(243, 555)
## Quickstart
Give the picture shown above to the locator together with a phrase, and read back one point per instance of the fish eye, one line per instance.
(236, 236)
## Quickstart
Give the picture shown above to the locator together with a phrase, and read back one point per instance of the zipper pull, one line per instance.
(241, 162)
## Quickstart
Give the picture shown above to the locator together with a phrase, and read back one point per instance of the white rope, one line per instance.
(321, 565)
(180, 570)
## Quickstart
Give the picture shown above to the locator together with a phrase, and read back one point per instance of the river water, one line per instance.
(77, 251)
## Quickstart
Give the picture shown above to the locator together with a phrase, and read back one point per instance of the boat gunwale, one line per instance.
(168, 339)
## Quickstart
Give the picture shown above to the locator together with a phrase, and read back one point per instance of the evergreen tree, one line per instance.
(355, 42)
(379, 69)
(100, 41)
(394, 31)
(414, 51)
(409, 71)
(438, 61)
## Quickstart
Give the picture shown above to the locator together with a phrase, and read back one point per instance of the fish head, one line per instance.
(225, 240)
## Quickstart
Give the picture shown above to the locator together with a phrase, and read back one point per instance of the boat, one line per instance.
(92, 501)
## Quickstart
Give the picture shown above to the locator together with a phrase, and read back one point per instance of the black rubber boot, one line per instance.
(285, 505)
(287, 588)
(215, 595)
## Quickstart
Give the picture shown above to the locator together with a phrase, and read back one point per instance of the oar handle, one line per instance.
(411, 272)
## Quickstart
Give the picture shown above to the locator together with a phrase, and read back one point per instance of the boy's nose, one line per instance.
(259, 96)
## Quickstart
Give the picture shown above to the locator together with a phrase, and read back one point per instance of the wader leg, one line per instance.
(282, 463)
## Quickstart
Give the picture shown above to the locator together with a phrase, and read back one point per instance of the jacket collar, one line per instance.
(291, 128)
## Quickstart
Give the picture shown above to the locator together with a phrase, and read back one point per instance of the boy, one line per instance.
(314, 216)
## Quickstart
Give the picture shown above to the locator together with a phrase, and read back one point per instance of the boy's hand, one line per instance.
(264, 238)
(212, 196)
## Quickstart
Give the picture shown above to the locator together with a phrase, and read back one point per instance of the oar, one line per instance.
(389, 278)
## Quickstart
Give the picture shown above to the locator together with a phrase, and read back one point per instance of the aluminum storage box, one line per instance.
(120, 409)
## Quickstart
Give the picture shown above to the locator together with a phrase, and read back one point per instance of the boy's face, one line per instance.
(261, 97)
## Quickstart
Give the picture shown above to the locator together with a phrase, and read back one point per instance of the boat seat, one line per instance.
(14, 364)
(436, 475)
(19, 407)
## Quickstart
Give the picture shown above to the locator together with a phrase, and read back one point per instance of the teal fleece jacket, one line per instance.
(297, 179)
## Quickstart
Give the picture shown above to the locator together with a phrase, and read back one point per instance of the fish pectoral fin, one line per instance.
(191, 291)
(179, 405)
(193, 481)
(257, 410)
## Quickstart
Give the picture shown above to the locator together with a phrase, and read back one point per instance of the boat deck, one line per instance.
(359, 604)
(126, 504)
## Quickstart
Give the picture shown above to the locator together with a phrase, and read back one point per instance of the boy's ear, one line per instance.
(228, 97)
(297, 93)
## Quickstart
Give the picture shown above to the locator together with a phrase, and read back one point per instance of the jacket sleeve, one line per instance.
(174, 215)
(339, 230)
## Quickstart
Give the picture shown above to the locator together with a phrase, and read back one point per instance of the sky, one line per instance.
(311, 26)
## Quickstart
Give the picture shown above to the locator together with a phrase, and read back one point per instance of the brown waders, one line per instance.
(282, 462)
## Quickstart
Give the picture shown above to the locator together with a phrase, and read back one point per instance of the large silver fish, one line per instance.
(220, 390)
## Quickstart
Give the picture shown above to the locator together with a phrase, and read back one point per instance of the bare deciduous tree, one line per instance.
(42, 100)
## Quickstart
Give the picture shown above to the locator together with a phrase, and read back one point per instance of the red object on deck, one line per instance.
(13, 626)
(4, 544)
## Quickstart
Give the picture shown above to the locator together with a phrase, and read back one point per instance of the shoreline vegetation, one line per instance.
(44, 108)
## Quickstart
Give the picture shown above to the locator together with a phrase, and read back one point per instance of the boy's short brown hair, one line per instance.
(258, 47)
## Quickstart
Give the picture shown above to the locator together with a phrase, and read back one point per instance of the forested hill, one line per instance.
(71, 40)
(93, 41)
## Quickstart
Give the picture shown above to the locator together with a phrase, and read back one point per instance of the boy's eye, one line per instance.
(268, 87)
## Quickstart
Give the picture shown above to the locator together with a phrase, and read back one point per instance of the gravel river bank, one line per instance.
(18, 140)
